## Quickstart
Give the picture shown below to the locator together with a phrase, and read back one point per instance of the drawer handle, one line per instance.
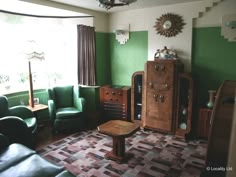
(162, 67)
(156, 67)
(151, 84)
(113, 93)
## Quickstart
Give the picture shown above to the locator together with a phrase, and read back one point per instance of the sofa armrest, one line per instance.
(21, 111)
(52, 110)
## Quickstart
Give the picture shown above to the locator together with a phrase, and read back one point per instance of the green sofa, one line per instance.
(21, 112)
(66, 108)
(16, 160)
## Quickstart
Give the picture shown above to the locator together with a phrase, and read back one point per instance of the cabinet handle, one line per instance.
(161, 98)
(113, 93)
(162, 67)
(151, 84)
(156, 67)
(167, 86)
(155, 96)
(107, 93)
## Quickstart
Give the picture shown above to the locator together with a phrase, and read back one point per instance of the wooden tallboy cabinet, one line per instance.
(115, 102)
(160, 94)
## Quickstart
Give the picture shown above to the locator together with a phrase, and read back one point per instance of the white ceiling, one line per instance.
(139, 4)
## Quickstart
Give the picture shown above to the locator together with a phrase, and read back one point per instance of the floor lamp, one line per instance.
(32, 56)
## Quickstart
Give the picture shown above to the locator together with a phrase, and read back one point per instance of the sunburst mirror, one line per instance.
(169, 25)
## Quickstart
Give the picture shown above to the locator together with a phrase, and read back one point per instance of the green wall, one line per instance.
(214, 60)
(128, 58)
(103, 69)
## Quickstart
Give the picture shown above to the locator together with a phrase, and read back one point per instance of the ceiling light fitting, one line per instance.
(107, 4)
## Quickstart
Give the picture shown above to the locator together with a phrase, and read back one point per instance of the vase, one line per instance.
(210, 103)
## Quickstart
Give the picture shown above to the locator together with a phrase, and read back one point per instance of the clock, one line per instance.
(169, 25)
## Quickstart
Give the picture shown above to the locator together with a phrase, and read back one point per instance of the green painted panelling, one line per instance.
(214, 60)
(128, 58)
(15, 99)
(103, 70)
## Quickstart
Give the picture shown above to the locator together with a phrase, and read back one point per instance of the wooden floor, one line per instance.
(45, 136)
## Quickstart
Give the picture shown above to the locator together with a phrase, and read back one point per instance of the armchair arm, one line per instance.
(4, 142)
(80, 104)
(21, 111)
(52, 110)
(16, 130)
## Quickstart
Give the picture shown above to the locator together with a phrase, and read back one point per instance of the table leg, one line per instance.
(118, 152)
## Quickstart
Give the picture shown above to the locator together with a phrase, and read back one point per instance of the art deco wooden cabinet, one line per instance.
(160, 94)
(115, 102)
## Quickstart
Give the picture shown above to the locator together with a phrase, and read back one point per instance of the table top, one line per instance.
(118, 128)
(37, 107)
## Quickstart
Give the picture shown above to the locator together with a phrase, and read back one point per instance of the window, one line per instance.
(56, 37)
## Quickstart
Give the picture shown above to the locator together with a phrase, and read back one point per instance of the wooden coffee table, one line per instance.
(118, 130)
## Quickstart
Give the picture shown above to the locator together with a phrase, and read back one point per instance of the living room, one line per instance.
(200, 46)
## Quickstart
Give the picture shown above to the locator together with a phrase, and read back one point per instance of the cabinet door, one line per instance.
(159, 110)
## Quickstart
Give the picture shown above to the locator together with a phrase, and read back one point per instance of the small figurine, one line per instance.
(165, 54)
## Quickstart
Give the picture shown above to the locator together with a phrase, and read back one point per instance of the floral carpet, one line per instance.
(155, 155)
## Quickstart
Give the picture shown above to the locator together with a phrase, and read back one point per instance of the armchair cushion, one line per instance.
(64, 113)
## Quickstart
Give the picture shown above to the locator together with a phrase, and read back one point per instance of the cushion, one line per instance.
(13, 154)
(33, 166)
(64, 96)
(69, 112)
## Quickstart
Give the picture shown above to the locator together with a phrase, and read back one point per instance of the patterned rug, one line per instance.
(155, 155)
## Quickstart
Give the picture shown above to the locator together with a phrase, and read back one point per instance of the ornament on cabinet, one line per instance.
(210, 103)
(165, 54)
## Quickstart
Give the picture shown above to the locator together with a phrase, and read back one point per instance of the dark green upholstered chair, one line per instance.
(22, 112)
(66, 108)
(16, 130)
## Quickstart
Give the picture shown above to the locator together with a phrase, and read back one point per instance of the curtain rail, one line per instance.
(43, 16)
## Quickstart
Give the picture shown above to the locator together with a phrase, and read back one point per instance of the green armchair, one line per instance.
(66, 108)
(22, 112)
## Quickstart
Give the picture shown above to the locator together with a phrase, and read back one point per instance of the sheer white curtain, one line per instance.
(56, 39)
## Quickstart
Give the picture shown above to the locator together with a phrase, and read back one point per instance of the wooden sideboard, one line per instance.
(115, 102)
